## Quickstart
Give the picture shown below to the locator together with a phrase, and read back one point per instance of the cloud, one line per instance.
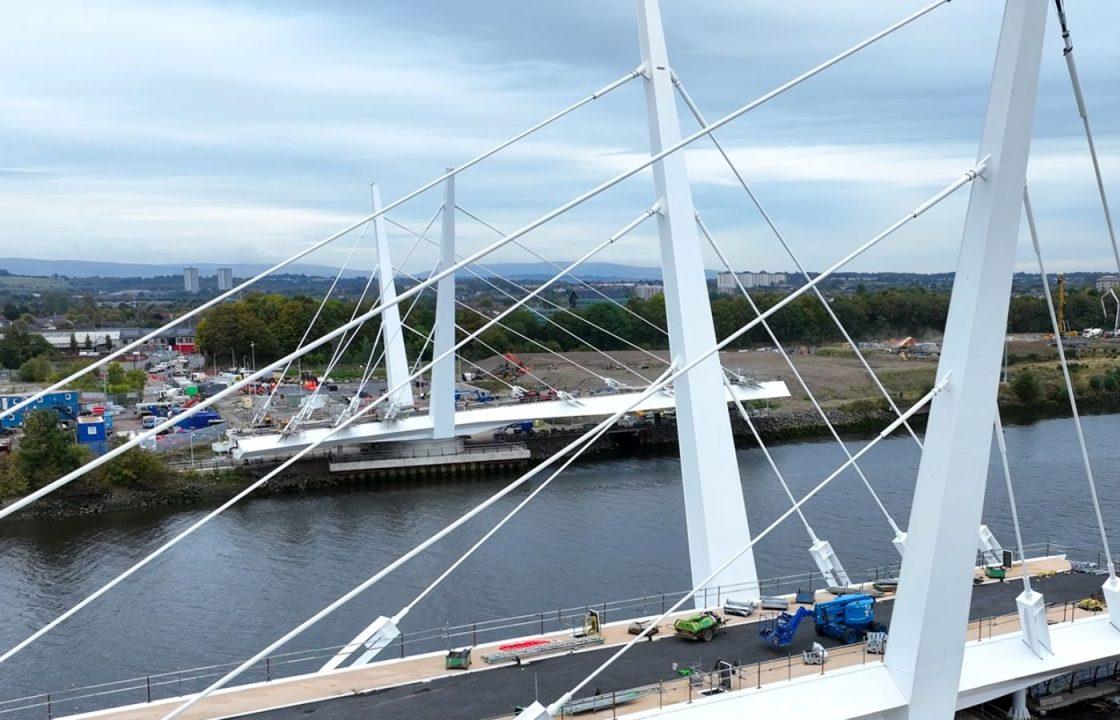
(197, 129)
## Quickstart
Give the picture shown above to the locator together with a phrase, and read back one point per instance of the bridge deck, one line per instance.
(418, 426)
(420, 686)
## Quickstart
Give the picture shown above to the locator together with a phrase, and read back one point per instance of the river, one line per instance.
(603, 531)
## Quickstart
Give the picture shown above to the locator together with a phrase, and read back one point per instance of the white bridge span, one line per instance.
(930, 668)
(419, 426)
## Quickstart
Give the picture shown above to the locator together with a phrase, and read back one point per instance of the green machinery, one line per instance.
(702, 627)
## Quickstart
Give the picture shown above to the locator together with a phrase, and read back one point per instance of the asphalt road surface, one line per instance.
(496, 692)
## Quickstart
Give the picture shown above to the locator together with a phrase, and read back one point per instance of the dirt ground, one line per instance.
(832, 377)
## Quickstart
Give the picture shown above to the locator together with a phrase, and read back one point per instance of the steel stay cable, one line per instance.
(511, 514)
(314, 319)
(569, 312)
(1001, 443)
(367, 375)
(648, 392)
(770, 460)
(622, 232)
(1082, 110)
(1069, 384)
(470, 362)
(968, 177)
(549, 320)
(274, 472)
(565, 207)
(345, 342)
(886, 432)
(556, 265)
(793, 256)
(797, 374)
(610, 87)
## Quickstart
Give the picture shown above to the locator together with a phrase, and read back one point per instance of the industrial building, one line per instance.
(1107, 282)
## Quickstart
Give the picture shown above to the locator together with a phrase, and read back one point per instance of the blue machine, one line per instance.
(65, 403)
(779, 631)
(848, 618)
(201, 419)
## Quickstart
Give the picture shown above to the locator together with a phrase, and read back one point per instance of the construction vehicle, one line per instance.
(779, 630)
(516, 431)
(848, 618)
(1063, 326)
(511, 367)
(702, 627)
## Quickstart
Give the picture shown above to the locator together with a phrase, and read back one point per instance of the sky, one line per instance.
(189, 131)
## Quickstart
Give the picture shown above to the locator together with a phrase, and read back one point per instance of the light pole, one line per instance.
(190, 435)
(253, 353)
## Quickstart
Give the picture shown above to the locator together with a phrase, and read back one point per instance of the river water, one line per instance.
(603, 531)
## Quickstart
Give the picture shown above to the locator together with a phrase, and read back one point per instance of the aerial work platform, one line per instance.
(388, 688)
(419, 426)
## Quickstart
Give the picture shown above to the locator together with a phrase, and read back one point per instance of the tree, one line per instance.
(19, 345)
(1026, 386)
(135, 468)
(88, 343)
(46, 451)
(12, 481)
(108, 343)
(234, 327)
(37, 369)
(73, 344)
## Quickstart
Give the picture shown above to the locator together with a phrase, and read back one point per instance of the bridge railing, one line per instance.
(157, 686)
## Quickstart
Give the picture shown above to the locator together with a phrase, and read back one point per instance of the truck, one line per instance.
(702, 627)
(848, 618)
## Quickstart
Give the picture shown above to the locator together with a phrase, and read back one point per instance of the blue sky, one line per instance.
(244, 131)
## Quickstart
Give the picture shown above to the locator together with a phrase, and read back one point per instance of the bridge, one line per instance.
(931, 666)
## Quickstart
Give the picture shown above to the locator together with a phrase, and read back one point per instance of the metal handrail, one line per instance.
(546, 621)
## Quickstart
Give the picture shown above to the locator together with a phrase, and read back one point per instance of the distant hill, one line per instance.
(98, 268)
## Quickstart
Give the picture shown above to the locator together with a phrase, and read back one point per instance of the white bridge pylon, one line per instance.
(468, 422)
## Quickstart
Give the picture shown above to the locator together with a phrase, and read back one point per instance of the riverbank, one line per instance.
(852, 420)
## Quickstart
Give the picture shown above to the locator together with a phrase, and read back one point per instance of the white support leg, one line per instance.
(375, 638)
(396, 361)
(1111, 592)
(442, 401)
(989, 547)
(935, 586)
(829, 564)
(715, 512)
(899, 543)
(1019, 709)
(1032, 621)
(535, 711)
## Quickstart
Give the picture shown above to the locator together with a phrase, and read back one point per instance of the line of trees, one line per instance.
(273, 325)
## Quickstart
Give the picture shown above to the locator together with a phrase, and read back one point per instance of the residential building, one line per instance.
(725, 281)
(190, 279)
(645, 292)
(225, 279)
(1107, 282)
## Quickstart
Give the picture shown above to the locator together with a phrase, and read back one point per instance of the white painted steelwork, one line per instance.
(487, 417)
(925, 653)
(715, 511)
(396, 361)
(442, 403)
